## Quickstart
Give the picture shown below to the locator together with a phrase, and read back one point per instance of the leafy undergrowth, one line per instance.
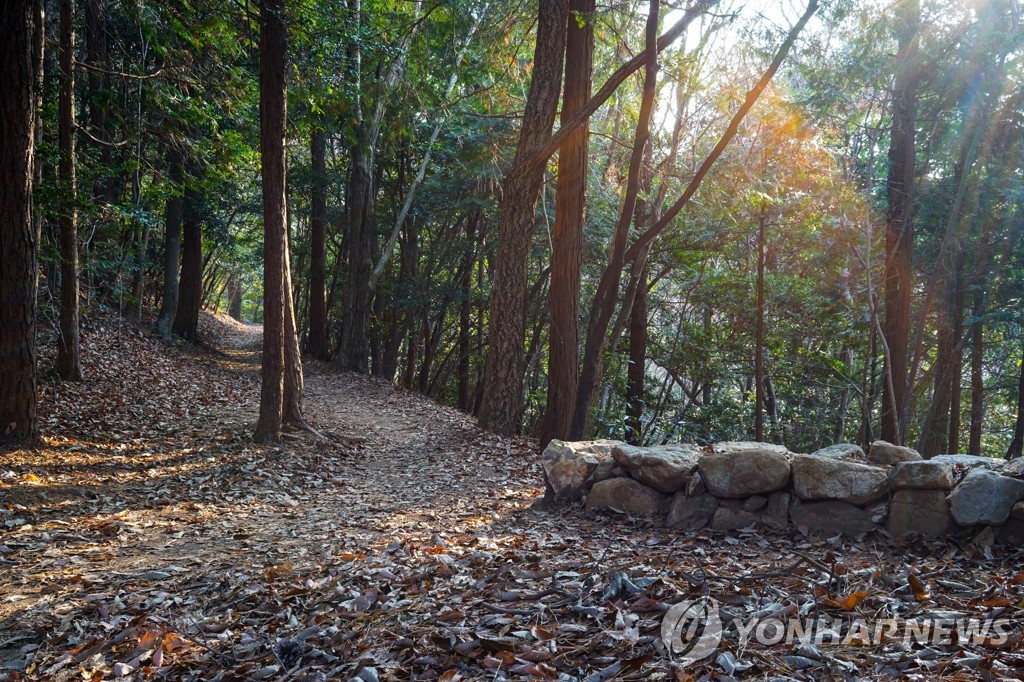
(149, 538)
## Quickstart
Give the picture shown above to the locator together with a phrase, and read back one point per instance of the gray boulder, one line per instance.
(971, 461)
(1014, 467)
(1017, 512)
(743, 469)
(664, 467)
(731, 515)
(776, 513)
(848, 451)
(831, 516)
(626, 495)
(755, 503)
(984, 497)
(885, 453)
(919, 511)
(924, 475)
(696, 485)
(821, 478)
(571, 468)
(691, 512)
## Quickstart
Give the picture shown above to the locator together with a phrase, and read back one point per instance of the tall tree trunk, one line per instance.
(291, 411)
(603, 306)
(570, 214)
(935, 429)
(1017, 443)
(977, 387)
(466, 309)
(105, 188)
(273, 118)
(502, 401)
(172, 247)
(235, 298)
(899, 229)
(355, 346)
(190, 291)
(317, 343)
(636, 372)
(759, 378)
(69, 349)
(20, 52)
(605, 299)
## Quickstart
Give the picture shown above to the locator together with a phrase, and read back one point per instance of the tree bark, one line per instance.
(636, 372)
(570, 214)
(759, 378)
(235, 298)
(69, 347)
(172, 247)
(977, 387)
(1017, 443)
(355, 344)
(899, 229)
(294, 383)
(190, 291)
(317, 342)
(502, 400)
(605, 298)
(604, 304)
(273, 113)
(20, 51)
(466, 309)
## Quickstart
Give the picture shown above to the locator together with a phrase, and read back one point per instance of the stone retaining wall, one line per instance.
(838, 489)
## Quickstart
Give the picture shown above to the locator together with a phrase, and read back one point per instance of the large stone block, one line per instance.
(832, 516)
(666, 468)
(571, 468)
(688, 512)
(822, 478)
(737, 470)
(985, 497)
(919, 511)
(731, 515)
(885, 453)
(971, 461)
(847, 451)
(628, 496)
(924, 475)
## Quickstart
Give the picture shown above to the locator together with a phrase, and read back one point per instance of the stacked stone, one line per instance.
(838, 489)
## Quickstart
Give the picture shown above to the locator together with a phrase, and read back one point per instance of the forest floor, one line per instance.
(150, 538)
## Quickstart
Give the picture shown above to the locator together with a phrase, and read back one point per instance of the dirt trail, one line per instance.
(150, 538)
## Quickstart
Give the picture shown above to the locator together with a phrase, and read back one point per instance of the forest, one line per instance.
(288, 237)
(796, 224)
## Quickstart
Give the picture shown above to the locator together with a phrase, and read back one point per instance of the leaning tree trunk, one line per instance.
(293, 380)
(19, 54)
(899, 229)
(190, 295)
(273, 113)
(502, 401)
(69, 347)
(570, 211)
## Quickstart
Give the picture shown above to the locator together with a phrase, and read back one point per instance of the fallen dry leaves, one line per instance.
(150, 539)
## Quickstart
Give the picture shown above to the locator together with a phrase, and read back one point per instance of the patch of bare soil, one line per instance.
(150, 538)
